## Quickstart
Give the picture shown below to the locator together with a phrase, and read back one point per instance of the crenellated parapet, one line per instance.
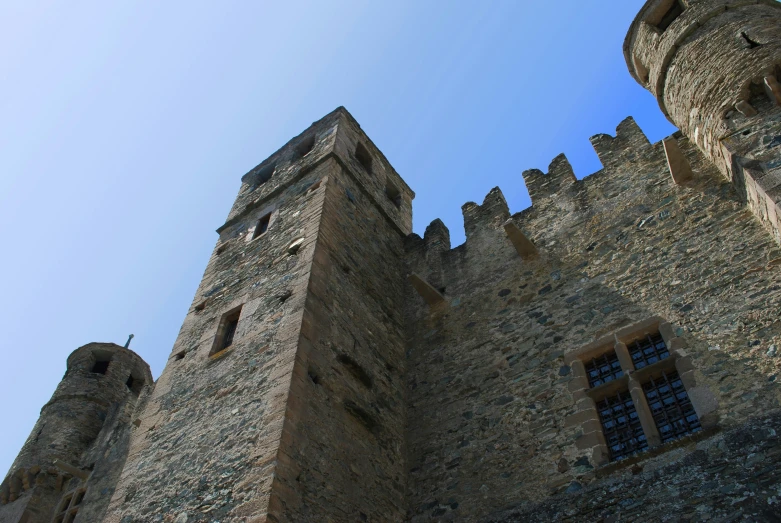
(557, 197)
(558, 179)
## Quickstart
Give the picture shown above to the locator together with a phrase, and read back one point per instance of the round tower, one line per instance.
(98, 376)
(713, 65)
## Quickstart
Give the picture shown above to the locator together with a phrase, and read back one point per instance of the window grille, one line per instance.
(671, 407)
(621, 426)
(603, 369)
(648, 350)
(635, 363)
(69, 507)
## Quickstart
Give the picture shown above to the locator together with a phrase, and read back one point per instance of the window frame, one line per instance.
(632, 382)
(219, 347)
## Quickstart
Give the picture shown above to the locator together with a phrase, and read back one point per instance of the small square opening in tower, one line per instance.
(393, 194)
(262, 226)
(363, 157)
(265, 174)
(226, 332)
(673, 11)
(305, 147)
(101, 365)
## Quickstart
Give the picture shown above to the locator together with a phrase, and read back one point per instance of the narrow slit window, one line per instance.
(262, 226)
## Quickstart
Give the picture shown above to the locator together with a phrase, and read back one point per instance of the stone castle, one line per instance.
(608, 354)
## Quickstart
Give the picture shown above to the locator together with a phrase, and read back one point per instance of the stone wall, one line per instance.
(733, 476)
(343, 456)
(206, 446)
(715, 71)
(492, 418)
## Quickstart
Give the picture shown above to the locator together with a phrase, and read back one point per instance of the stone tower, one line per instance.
(283, 396)
(608, 354)
(77, 447)
(714, 66)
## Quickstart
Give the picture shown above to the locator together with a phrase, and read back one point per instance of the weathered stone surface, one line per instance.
(335, 367)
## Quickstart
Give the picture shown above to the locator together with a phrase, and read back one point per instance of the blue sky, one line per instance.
(126, 127)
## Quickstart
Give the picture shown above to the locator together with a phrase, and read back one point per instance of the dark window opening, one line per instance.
(394, 195)
(230, 332)
(671, 407)
(221, 249)
(226, 331)
(305, 147)
(363, 157)
(603, 369)
(621, 426)
(134, 384)
(262, 226)
(441, 290)
(179, 356)
(200, 306)
(100, 366)
(648, 350)
(676, 9)
(265, 174)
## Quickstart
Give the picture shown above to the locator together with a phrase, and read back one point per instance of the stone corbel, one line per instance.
(426, 290)
(522, 244)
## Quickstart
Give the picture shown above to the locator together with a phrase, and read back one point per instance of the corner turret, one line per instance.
(89, 412)
(714, 67)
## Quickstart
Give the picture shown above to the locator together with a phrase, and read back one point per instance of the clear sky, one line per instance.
(126, 127)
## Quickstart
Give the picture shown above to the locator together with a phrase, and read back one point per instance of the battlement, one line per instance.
(552, 192)
(617, 336)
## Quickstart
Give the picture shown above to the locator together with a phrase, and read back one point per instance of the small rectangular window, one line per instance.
(262, 226)
(363, 157)
(603, 369)
(226, 332)
(393, 194)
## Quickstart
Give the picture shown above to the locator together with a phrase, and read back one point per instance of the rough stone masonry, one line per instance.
(610, 353)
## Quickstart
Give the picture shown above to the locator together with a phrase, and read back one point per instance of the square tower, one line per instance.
(283, 396)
